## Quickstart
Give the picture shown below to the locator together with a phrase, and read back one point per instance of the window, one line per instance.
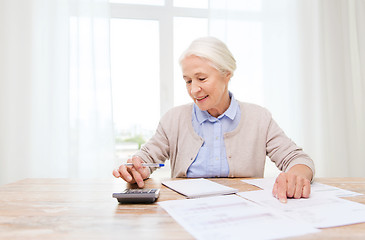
(147, 38)
(135, 82)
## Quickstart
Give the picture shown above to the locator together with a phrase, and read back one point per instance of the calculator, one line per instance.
(137, 195)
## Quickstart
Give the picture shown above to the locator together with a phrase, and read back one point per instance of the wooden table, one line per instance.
(84, 209)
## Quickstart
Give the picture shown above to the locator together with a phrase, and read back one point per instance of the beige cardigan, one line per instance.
(256, 136)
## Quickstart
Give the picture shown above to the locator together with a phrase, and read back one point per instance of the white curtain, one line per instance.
(55, 93)
(310, 58)
(331, 37)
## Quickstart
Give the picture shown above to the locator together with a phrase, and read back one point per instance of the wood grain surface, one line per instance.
(84, 209)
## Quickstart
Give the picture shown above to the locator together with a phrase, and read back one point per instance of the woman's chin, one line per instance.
(201, 106)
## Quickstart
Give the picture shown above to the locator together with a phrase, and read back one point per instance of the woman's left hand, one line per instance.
(296, 183)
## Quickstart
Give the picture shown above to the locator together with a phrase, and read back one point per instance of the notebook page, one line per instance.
(199, 187)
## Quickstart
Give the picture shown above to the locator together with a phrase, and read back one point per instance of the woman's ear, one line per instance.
(227, 75)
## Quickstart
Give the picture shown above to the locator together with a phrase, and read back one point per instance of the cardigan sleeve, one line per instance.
(170, 132)
(156, 150)
(282, 150)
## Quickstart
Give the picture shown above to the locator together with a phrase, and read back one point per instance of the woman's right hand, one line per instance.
(133, 174)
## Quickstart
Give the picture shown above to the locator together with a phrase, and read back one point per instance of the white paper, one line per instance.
(232, 217)
(199, 187)
(320, 188)
(263, 183)
(319, 210)
(316, 188)
(339, 213)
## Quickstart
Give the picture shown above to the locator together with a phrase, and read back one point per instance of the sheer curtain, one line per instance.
(332, 75)
(55, 94)
(312, 55)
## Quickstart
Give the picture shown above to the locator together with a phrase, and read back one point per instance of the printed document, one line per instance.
(259, 215)
(316, 188)
(232, 217)
(323, 208)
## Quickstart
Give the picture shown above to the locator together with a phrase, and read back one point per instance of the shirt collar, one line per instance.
(203, 116)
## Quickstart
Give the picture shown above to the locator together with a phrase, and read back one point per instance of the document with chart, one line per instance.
(232, 217)
(316, 188)
(322, 209)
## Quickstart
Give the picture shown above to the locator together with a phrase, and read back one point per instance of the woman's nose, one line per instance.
(195, 87)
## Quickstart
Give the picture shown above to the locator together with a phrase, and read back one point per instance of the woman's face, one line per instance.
(207, 86)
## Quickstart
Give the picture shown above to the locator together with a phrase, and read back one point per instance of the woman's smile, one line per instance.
(199, 99)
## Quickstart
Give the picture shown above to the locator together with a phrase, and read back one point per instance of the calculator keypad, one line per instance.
(137, 195)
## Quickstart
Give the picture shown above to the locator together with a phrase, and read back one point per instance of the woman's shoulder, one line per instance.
(181, 109)
(178, 113)
(253, 110)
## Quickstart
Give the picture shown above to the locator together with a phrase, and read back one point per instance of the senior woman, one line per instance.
(217, 135)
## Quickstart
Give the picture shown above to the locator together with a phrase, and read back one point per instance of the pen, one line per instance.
(146, 164)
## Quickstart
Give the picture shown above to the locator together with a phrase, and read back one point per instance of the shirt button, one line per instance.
(217, 158)
(216, 138)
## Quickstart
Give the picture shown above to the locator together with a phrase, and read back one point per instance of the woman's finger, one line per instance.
(143, 171)
(116, 173)
(306, 188)
(123, 170)
(137, 177)
(291, 185)
(281, 180)
(299, 188)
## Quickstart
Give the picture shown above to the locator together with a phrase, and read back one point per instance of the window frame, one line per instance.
(165, 16)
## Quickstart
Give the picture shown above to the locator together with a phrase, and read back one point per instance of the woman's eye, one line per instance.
(202, 79)
(188, 81)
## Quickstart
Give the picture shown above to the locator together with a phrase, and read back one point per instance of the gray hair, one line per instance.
(214, 50)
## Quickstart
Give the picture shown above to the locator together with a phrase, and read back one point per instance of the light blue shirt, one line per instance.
(211, 160)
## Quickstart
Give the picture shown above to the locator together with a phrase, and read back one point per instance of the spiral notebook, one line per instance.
(198, 187)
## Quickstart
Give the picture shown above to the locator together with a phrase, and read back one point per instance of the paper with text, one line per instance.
(319, 210)
(232, 217)
(316, 188)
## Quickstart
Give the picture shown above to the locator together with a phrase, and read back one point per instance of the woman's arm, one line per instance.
(297, 166)
(156, 150)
